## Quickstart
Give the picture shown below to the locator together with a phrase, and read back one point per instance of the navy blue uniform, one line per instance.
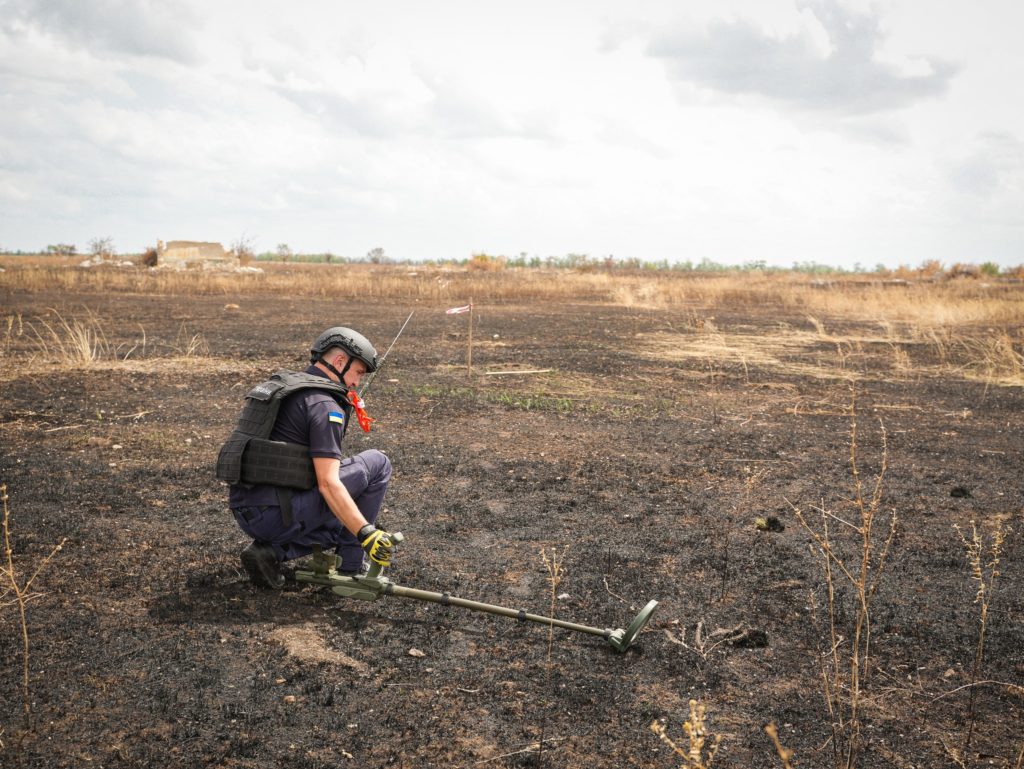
(315, 419)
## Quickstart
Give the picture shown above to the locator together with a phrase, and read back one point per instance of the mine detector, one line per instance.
(375, 584)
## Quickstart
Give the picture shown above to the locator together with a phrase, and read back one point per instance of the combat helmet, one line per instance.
(355, 344)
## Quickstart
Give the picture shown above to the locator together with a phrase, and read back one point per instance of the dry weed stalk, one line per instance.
(841, 356)
(12, 321)
(553, 564)
(22, 594)
(844, 676)
(984, 565)
(785, 754)
(695, 728)
(819, 327)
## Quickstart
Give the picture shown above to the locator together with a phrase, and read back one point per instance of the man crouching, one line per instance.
(291, 487)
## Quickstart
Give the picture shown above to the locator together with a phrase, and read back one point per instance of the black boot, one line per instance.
(260, 563)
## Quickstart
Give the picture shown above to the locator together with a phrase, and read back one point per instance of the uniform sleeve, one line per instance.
(326, 421)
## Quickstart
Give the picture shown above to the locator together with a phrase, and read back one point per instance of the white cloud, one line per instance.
(740, 58)
(994, 167)
(160, 28)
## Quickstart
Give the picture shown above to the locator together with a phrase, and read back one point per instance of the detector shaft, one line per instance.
(504, 611)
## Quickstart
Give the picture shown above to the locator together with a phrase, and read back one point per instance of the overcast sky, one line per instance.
(833, 131)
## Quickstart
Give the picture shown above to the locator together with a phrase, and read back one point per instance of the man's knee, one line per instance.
(378, 466)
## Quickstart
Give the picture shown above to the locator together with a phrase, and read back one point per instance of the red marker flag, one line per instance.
(365, 420)
(458, 310)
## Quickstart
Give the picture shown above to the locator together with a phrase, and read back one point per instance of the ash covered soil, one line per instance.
(642, 459)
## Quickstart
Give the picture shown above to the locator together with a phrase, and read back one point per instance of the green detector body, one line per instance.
(375, 584)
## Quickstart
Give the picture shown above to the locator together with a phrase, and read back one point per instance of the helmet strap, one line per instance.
(339, 374)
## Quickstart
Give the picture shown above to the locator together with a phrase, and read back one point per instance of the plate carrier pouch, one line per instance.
(249, 457)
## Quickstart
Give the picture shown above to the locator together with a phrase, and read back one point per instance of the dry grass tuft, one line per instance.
(80, 341)
(992, 356)
(190, 345)
(36, 343)
(984, 565)
(783, 350)
(995, 357)
(697, 754)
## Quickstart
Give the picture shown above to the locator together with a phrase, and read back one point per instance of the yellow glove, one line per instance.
(377, 544)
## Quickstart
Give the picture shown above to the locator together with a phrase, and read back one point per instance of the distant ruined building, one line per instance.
(193, 253)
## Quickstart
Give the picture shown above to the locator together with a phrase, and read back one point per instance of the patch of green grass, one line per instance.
(532, 401)
(524, 401)
(442, 391)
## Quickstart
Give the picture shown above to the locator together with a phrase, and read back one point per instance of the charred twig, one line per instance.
(527, 749)
(974, 684)
(700, 645)
(614, 595)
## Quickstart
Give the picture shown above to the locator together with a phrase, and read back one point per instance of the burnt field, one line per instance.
(668, 449)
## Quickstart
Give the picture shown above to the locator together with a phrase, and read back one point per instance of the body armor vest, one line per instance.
(249, 456)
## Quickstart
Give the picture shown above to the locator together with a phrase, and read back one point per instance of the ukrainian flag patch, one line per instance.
(336, 416)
